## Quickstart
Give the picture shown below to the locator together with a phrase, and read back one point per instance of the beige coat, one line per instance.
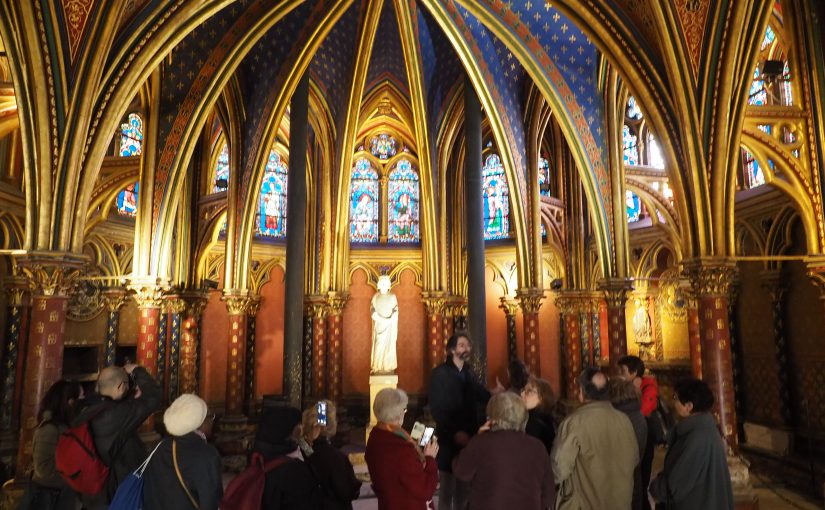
(593, 458)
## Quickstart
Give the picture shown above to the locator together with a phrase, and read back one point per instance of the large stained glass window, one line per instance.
(496, 199)
(769, 38)
(786, 92)
(222, 170)
(383, 146)
(131, 136)
(402, 202)
(757, 96)
(630, 146)
(633, 206)
(544, 177)
(127, 201)
(363, 203)
(754, 176)
(272, 211)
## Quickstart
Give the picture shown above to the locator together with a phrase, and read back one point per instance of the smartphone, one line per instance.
(426, 436)
(417, 431)
(321, 411)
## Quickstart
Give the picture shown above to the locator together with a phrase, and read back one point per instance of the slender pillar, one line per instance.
(774, 284)
(114, 299)
(335, 358)
(317, 307)
(149, 298)
(50, 279)
(569, 305)
(189, 340)
(655, 326)
(711, 281)
(476, 302)
(694, 340)
(448, 322)
(296, 244)
(616, 290)
(306, 356)
(595, 328)
(434, 303)
(237, 304)
(251, 328)
(510, 307)
(14, 350)
(163, 333)
(176, 308)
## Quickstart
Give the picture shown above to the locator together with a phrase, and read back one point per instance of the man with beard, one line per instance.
(455, 400)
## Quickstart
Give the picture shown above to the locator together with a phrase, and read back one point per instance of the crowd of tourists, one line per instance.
(490, 449)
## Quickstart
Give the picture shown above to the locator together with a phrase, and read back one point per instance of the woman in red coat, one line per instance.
(403, 476)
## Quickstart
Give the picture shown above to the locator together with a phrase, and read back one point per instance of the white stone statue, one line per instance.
(642, 329)
(384, 329)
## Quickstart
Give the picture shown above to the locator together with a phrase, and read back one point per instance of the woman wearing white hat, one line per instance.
(185, 471)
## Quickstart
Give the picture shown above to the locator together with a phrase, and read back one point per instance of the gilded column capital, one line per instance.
(196, 301)
(114, 298)
(254, 306)
(237, 301)
(175, 304)
(337, 301)
(570, 302)
(711, 277)
(435, 302)
(509, 305)
(530, 299)
(16, 289)
(50, 273)
(615, 291)
(316, 306)
(148, 296)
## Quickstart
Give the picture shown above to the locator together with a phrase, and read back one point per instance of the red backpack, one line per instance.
(77, 460)
(246, 491)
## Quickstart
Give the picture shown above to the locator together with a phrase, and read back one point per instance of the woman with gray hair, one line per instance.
(505, 467)
(404, 477)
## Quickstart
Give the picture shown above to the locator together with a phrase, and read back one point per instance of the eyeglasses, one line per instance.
(529, 390)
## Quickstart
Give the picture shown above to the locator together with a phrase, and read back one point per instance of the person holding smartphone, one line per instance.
(331, 468)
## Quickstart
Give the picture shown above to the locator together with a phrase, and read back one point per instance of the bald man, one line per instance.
(116, 416)
(595, 451)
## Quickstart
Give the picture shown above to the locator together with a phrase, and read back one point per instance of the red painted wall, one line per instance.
(357, 337)
(411, 331)
(549, 342)
(269, 337)
(214, 333)
(496, 331)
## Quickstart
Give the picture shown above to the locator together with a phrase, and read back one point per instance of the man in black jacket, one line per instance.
(115, 427)
(455, 399)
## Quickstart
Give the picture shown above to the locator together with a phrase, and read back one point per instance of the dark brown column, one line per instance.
(615, 291)
(694, 339)
(14, 352)
(510, 308)
(114, 299)
(249, 373)
(335, 332)
(530, 301)
(190, 340)
(176, 310)
(434, 303)
(711, 281)
(569, 305)
(237, 304)
(317, 309)
(774, 284)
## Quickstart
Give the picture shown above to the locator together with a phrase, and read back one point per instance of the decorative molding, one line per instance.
(51, 274)
(337, 301)
(434, 302)
(509, 305)
(530, 299)
(615, 291)
(711, 277)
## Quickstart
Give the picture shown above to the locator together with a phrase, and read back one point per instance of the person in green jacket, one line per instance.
(696, 468)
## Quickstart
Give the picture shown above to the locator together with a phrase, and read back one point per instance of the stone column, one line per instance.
(149, 298)
(335, 331)
(711, 281)
(251, 328)
(14, 350)
(237, 304)
(114, 299)
(569, 305)
(447, 323)
(510, 307)
(176, 309)
(474, 209)
(595, 325)
(189, 340)
(774, 284)
(615, 290)
(50, 278)
(434, 303)
(296, 244)
(317, 310)
(163, 333)
(694, 340)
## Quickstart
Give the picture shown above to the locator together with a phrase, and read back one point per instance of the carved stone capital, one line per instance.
(530, 299)
(175, 304)
(571, 302)
(435, 302)
(254, 306)
(315, 306)
(148, 296)
(114, 298)
(237, 301)
(337, 301)
(615, 291)
(711, 277)
(49, 273)
(510, 306)
(816, 272)
(196, 301)
(16, 289)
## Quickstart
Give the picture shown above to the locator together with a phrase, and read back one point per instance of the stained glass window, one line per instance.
(383, 146)
(757, 96)
(363, 203)
(765, 128)
(402, 202)
(654, 153)
(544, 177)
(633, 110)
(633, 206)
(127, 201)
(272, 211)
(769, 38)
(630, 146)
(496, 199)
(787, 93)
(222, 170)
(753, 173)
(131, 136)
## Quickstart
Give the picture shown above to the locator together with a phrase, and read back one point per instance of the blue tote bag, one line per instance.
(129, 495)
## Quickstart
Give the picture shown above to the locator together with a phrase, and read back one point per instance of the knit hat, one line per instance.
(277, 424)
(185, 414)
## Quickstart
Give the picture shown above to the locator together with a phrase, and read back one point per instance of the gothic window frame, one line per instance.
(273, 188)
(494, 184)
(397, 176)
(368, 229)
(131, 131)
(220, 158)
(126, 209)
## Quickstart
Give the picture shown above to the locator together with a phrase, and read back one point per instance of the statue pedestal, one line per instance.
(377, 383)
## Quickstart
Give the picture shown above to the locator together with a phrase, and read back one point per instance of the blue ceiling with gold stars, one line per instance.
(387, 59)
(332, 66)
